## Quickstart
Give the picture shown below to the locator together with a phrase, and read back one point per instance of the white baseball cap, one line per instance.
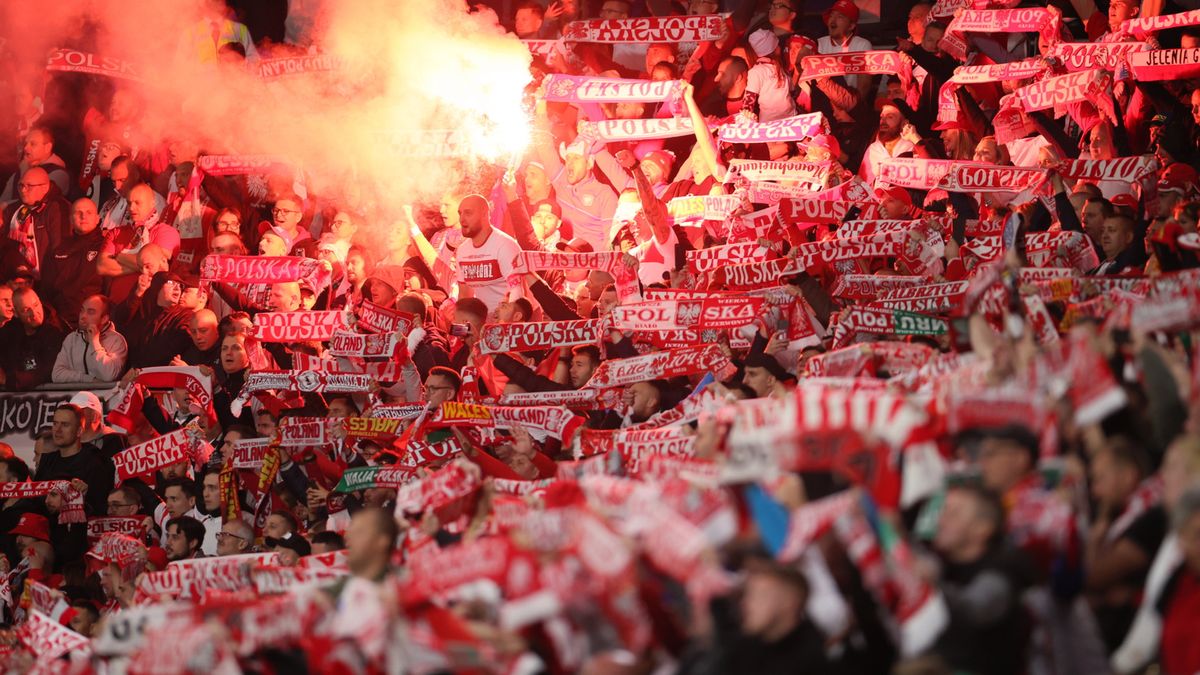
(86, 399)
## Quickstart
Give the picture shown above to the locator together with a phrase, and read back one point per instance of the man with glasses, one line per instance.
(236, 537)
(38, 222)
(285, 220)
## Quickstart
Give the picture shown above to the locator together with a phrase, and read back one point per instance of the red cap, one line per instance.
(828, 142)
(844, 7)
(1179, 177)
(32, 525)
(663, 159)
(894, 192)
(157, 556)
(1125, 199)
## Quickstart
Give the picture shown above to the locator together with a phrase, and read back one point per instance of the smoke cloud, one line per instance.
(359, 132)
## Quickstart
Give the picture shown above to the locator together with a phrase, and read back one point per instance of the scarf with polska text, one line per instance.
(582, 89)
(1143, 27)
(640, 129)
(72, 509)
(301, 326)
(1084, 94)
(498, 338)
(707, 259)
(301, 381)
(643, 30)
(1046, 21)
(377, 319)
(797, 128)
(256, 269)
(714, 312)
(186, 444)
(874, 62)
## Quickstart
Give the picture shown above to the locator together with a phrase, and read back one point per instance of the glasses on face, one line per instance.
(439, 387)
(118, 505)
(171, 284)
(30, 186)
(283, 212)
(227, 535)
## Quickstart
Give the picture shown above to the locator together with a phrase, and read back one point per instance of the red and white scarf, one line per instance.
(1165, 64)
(144, 458)
(582, 89)
(72, 509)
(68, 60)
(640, 129)
(727, 311)
(646, 30)
(875, 62)
(497, 338)
(253, 269)
(302, 381)
(297, 326)
(658, 365)
(795, 128)
(239, 165)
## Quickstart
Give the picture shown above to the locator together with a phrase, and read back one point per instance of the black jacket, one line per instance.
(28, 360)
(51, 222)
(155, 334)
(69, 275)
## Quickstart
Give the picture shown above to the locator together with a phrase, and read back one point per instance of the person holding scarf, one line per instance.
(38, 220)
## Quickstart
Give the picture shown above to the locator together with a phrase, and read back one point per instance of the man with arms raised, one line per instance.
(488, 260)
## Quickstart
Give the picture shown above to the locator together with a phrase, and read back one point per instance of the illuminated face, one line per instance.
(91, 314)
(203, 331)
(177, 547)
(355, 268)
(1114, 237)
(780, 14)
(286, 214)
(656, 54)
(527, 23)
(1195, 103)
(272, 244)
(6, 304)
(839, 25)
(1100, 142)
(226, 244)
(37, 148)
(916, 23)
(343, 226)
(582, 367)
(577, 168)
(178, 501)
(284, 297)
(545, 223)
(438, 390)
(169, 294)
(614, 9)
(233, 354)
(29, 310)
(449, 209)
(1120, 11)
(472, 216)
(119, 176)
(228, 222)
(84, 217)
(890, 120)
(537, 185)
(653, 171)
(987, 152)
(212, 492)
(141, 203)
(33, 186)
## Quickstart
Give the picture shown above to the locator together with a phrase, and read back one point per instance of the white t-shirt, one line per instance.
(774, 98)
(486, 269)
(856, 44)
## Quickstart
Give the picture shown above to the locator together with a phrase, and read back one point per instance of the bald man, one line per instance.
(38, 220)
(488, 259)
(284, 297)
(205, 341)
(70, 273)
(120, 255)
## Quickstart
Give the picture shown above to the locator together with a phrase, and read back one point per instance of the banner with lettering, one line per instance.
(795, 128)
(256, 269)
(297, 326)
(240, 165)
(64, 59)
(645, 30)
(178, 446)
(297, 65)
(1076, 56)
(640, 129)
(1165, 64)
(656, 365)
(582, 89)
(497, 338)
(874, 62)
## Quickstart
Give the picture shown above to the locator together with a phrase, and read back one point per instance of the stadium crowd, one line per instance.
(777, 351)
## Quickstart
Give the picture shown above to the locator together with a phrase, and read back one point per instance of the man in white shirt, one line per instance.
(842, 19)
(888, 143)
(488, 260)
(180, 500)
